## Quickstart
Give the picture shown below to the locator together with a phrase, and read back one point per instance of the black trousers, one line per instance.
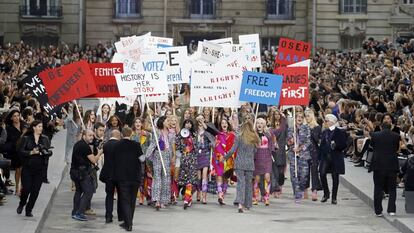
(32, 179)
(127, 193)
(83, 195)
(110, 187)
(335, 184)
(385, 180)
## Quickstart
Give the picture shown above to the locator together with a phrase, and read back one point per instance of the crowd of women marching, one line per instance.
(205, 150)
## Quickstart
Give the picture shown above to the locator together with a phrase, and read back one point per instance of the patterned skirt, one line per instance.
(203, 160)
(262, 161)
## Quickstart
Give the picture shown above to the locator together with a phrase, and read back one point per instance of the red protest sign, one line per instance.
(291, 51)
(68, 82)
(295, 87)
(104, 76)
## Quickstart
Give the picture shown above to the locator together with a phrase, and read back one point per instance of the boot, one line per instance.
(256, 192)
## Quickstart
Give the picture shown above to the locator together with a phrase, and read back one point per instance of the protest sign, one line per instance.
(38, 90)
(132, 47)
(251, 45)
(104, 76)
(291, 51)
(221, 41)
(232, 56)
(209, 52)
(295, 88)
(150, 82)
(213, 87)
(154, 42)
(69, 82)
(178, 65)
(261, 88)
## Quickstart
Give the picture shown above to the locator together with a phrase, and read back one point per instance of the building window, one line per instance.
(351, 42)
(202, 8)
(353, 6)
(128, 8)
(408, 2)
(280, 9)
(40, 8)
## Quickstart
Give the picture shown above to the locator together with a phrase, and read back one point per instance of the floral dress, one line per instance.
(186, 148)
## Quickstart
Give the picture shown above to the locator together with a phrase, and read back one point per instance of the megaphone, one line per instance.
(185, 133)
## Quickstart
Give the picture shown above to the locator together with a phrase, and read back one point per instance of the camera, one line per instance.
(97, 143)
(46, 152)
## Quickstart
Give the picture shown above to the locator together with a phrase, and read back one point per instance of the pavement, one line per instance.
(283, 215)
(10, 221)
(360, 183)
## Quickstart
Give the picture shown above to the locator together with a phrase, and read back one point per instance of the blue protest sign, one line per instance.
(261, 88)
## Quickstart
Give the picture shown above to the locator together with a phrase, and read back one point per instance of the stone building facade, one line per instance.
(339, 23)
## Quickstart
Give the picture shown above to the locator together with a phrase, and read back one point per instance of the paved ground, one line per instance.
(283, 215)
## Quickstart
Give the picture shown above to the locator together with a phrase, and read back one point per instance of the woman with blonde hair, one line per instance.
(263, 161)
(246, 146)
(316, 133)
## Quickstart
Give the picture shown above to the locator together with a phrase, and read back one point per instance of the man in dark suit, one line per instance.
(127, 174)
(107, 174)
(333, 144)
(385, 166)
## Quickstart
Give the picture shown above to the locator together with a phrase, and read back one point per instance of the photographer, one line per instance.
(34, 150)
(81, 173)
(96, 144)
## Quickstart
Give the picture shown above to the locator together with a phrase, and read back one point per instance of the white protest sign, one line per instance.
(132, 47)
(156, 98)
(142, 83)
(251, 45)
(130, 65)
(178, 65)
(212, 87)
(228, 40)
(154, 42)
(209, 52)
(233, 56)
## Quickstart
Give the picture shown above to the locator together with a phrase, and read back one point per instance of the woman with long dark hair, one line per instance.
(89, 119)
(14, 129)
(187, 152)
(133, 113)
(34, 149)
(113, 123)
(161, 188)
(223, 168)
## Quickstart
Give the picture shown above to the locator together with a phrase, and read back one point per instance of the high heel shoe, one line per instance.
(221, 201)
(241, 210)
(204, 199)
(157, 207)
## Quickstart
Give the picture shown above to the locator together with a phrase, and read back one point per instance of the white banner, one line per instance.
(142, 83)
(209, 52)
(233, 56)
(251, 45)
(215, 87)
(132, 47)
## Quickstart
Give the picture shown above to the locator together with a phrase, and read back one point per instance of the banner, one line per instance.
(178, 65)
(232, 56)
(212, 87)
(261, 88)
(104, 76)
(38, 90)
(291, 51)
(295, 88)
(251, 45)
(69, 82)
(209, 52)
(141, 83)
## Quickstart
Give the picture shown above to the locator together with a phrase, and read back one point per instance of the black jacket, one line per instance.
(27, 144)
(332, 154)
(407, 171)
(107, 172)
(127, 166)
(385, 146)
